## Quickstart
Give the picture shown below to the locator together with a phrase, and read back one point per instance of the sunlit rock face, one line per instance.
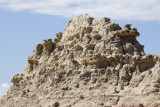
(93, 63)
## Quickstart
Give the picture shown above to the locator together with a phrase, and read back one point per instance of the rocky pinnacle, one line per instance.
(93, 63)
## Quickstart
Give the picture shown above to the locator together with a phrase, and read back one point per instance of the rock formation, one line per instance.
(94, 63)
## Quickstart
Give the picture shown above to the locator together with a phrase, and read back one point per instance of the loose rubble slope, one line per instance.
(94, 63)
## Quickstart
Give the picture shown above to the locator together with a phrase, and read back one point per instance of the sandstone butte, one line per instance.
(93, 63)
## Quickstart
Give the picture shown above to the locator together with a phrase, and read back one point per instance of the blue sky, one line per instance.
(24, 23)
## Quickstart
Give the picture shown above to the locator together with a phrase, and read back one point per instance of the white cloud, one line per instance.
(3, 89)
(115, 9)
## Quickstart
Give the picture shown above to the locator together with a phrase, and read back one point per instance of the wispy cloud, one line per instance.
(3, 89)
(115, 9)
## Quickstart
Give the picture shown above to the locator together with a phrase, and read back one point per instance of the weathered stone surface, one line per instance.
(128, 31)
(17, 78)
(59, 35)
(94, 63)
(48, 45)
(113, 27)
(39, 49)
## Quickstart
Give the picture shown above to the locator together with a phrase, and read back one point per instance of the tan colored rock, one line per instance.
(17, 78)
(60, 47)
(87, 30)
(90, 46)
(134, 31)
(39, 49)
(103, 70)
(52, 70)
(97, 60)
(74, 62)
(72, 43)
(34, 61)
(78, 48)
(42, 72)
(93, 63)
(96, 36)
(113, 27)
(89, 20)
(105, 19)
(127, 31)
(145, 58)
(48, 45)
(117, 56)
(77, 35)
(56, 104)
(56, 40)
(127, 27)
(59, 35)
(155, 58)
(74, 36)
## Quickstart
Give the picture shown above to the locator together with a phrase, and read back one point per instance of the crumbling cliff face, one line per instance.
(94, 63)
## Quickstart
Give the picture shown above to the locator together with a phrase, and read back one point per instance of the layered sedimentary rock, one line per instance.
(93, 63)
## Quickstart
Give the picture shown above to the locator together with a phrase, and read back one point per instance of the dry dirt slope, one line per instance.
(94, 63)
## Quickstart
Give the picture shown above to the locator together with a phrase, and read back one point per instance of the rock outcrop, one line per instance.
(93, 63)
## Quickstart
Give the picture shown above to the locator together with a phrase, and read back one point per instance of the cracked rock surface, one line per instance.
(93, 63)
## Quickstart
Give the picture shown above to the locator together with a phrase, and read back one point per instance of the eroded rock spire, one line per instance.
(94, 62)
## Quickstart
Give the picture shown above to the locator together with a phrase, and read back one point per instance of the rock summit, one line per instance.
(93, 63)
